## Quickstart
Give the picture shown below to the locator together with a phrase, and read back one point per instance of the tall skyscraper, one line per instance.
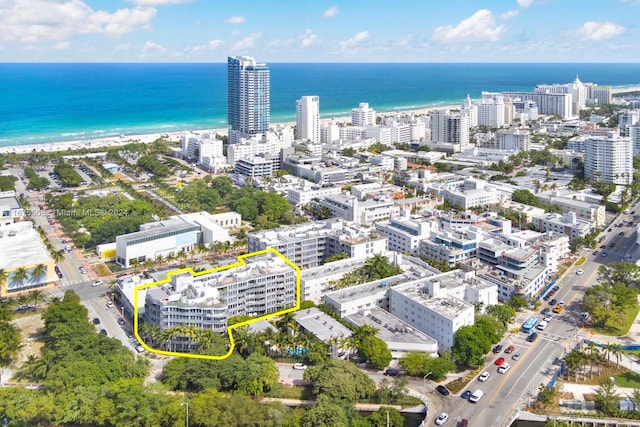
(248, 98)
(308, 119)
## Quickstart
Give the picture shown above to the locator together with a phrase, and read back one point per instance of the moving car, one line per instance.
(580, 272)
(532, 337)
(465, 395)
(109, 304)
(547, 319)
(562, 303)
(442, 418)
(463, 423)
(483, 377)
(557, 308)
(442, 390)
(477, 395)
(97, 283)
(299, 366)
(392, 372)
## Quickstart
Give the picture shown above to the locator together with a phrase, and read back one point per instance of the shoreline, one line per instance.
(50, 147)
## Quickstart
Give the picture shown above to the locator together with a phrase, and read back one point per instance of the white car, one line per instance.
(97, 283)
(561, 303)
(504, 368)
(547, 319)
(109, 304)
(483, 377)
(299, 366)
(442, 418)
(580, 272)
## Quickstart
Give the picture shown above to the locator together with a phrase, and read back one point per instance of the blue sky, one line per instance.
(319, 31)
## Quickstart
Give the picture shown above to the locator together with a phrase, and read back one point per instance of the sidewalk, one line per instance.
(579, 390)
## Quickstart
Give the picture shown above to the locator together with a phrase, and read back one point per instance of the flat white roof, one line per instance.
(20, 245)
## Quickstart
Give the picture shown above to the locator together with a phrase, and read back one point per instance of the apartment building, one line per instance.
(308, 118)
(366, 212)
(264, 284)
(609, 158)
(308, 245)
(404, 234)
(568, 224)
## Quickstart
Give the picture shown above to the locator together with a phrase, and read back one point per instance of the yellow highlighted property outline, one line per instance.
(241, 262)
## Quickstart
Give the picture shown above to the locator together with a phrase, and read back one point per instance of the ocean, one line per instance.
(46, 102)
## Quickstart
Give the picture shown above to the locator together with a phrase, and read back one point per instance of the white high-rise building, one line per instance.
(363, 115)
(634, 134)
(471, 110)
(609, 158)
(491, 110)
(450, 127)
(308, 118)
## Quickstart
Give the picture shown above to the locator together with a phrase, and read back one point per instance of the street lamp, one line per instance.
(186, 405)
(424, 381)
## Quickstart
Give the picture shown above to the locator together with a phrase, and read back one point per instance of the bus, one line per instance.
(529, 325)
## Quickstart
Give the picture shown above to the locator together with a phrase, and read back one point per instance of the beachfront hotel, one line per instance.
(248, 98)
(265, 284)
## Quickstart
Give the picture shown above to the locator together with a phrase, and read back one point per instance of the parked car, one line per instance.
(483, 377)
(553, 302)
(140, 349)
(121, 321)
(509, 349)
(442, 390)
(109, 304)
(96, 321)
(299, 366)
(497, 349)
(103, 331)
(466, 394)
(499, 361)
(532, 337)
(392, 372)
(515, 356)
(504, 368)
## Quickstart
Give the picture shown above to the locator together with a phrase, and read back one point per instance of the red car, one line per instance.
(499, 361)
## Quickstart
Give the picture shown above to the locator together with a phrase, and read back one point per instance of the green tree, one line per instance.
(386, 417)
(606, 398)
(517, 302)
(416, 363)
(504, 313)
(375, 351)
(325, 413)
(341, 380)
(470, 347)
(526, 197)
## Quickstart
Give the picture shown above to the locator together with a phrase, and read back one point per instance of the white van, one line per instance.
(477, 395)
(542, 325)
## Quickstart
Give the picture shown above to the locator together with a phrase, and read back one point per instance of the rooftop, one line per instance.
(390, 328)
(320, 324)
(447, 306)
(20, 245)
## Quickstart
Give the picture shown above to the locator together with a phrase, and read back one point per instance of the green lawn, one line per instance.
(628, 379)
(614, 329)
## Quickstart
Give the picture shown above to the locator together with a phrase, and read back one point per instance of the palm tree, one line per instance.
(3, 278)
(616, 349)
(37, 297)
(57, 257)
(38, 273)
(606, 397)
(19, 276)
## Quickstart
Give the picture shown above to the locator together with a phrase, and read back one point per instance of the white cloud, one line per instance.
(62, 45)
(524, 3)
(235, 20)
(158, 2)
(331, 12)
(308, 39)
(246, 43)
(510, 14)
(355, 40)
(151, 48)
(123, 46)
(479, 27)
(31, 21)
(211, 45)
(597, 31)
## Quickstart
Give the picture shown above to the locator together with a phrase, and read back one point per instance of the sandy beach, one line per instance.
(173, 136)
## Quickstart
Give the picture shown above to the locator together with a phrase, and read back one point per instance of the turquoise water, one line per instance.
(43, 103)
